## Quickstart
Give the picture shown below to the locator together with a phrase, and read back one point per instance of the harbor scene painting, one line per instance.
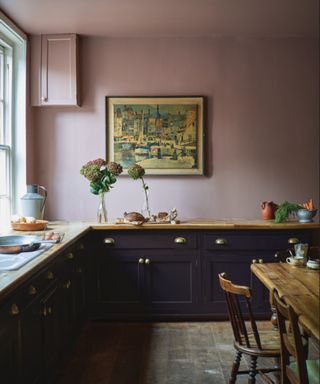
(162, 134)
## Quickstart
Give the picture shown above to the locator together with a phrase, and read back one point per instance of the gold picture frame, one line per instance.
(164, 135)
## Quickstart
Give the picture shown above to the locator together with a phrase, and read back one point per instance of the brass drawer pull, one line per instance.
(147, 261)
(180, 240)
(109, 241)
(14, 310)
(67, 284)
(293, 240)
(32, 290)
(50, 275)
(220, 241)
(141, 261)
(70, 256)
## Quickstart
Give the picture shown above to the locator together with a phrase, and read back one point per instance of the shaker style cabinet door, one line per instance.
(54, 70)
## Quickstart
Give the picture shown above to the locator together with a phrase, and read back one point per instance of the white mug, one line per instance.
(297, 261)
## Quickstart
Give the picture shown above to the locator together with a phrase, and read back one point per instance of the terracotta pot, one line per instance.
(268, 210)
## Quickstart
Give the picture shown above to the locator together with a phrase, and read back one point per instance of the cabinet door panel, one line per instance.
(119, 283)
(171, 282)
(237, 268)
(31, 345)
(8, 347)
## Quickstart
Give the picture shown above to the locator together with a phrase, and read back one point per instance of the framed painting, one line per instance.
(162, 134)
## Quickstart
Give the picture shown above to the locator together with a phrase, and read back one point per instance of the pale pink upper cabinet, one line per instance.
(54, 70)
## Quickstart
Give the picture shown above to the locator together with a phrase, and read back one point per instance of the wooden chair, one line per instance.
(248, 341)
(292, 346)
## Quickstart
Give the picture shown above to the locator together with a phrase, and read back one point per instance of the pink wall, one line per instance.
(262, 124)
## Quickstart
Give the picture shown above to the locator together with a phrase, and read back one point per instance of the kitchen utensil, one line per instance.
(32, 203)
(297, 261)
(17, 244)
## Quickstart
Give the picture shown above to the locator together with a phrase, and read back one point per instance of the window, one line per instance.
(5, 132)
(12, 118)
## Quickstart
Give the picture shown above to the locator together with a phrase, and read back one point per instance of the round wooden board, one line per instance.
(39, 225)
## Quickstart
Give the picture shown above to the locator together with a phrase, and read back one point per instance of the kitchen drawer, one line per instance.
(148, 239)
(254, 241)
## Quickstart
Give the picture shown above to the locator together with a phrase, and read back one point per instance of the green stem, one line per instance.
(145, 188)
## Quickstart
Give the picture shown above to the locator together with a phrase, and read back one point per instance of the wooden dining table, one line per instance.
(298, 287)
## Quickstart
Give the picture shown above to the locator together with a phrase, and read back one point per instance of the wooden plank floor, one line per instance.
(153, 353)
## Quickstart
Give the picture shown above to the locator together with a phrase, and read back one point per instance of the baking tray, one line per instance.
(17, 244)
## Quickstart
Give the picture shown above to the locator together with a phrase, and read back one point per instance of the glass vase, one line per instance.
(102, 210)
(145, 209)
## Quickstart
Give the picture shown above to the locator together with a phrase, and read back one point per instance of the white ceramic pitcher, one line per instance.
(32, 203)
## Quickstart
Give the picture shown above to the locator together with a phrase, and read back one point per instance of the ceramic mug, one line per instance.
(313, 264)
(297, 261)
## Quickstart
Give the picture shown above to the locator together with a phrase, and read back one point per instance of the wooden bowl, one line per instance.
(39, 225)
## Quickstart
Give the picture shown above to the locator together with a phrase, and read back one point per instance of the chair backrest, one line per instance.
(291, 343)
(233, 294)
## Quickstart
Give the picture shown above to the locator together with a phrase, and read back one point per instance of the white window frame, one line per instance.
(6, 131)
(13, 44)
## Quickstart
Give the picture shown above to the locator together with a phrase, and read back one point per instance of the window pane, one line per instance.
(4, 172)
(4, 213)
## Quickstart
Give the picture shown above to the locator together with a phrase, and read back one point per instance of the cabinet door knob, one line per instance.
(180, 240)
(293, 240)
(70, 256)
(147, 261)
(254, 261)
(50, 275)
(109, 240)
(260, 261)
(14, 310)
(32, 290)
(141, 261)
(44, 312)
(220, 241)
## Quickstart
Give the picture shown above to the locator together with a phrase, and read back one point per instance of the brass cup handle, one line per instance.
(141, 261)
(44, 312)
(80, 246)
(32, 290)
(49, 310)
(147, 261)
(109, 241)
(14, 310)
(70, 256)
(293, 240)
(220, 241)
(79, 270)
(180, 240)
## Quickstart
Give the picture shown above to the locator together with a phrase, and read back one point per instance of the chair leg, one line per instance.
(253, 370)
(235, 368)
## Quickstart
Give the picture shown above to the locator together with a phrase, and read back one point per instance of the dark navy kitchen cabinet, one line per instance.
(174, 274)
(140, 274)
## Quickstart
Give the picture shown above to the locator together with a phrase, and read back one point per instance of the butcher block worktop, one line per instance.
(75, 230)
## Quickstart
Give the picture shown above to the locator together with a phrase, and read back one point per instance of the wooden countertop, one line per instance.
(74, 230)
(298, 286)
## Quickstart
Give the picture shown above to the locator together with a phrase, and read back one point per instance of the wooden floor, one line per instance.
(153, 353)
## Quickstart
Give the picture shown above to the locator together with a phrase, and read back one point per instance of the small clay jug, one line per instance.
(268, 210)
